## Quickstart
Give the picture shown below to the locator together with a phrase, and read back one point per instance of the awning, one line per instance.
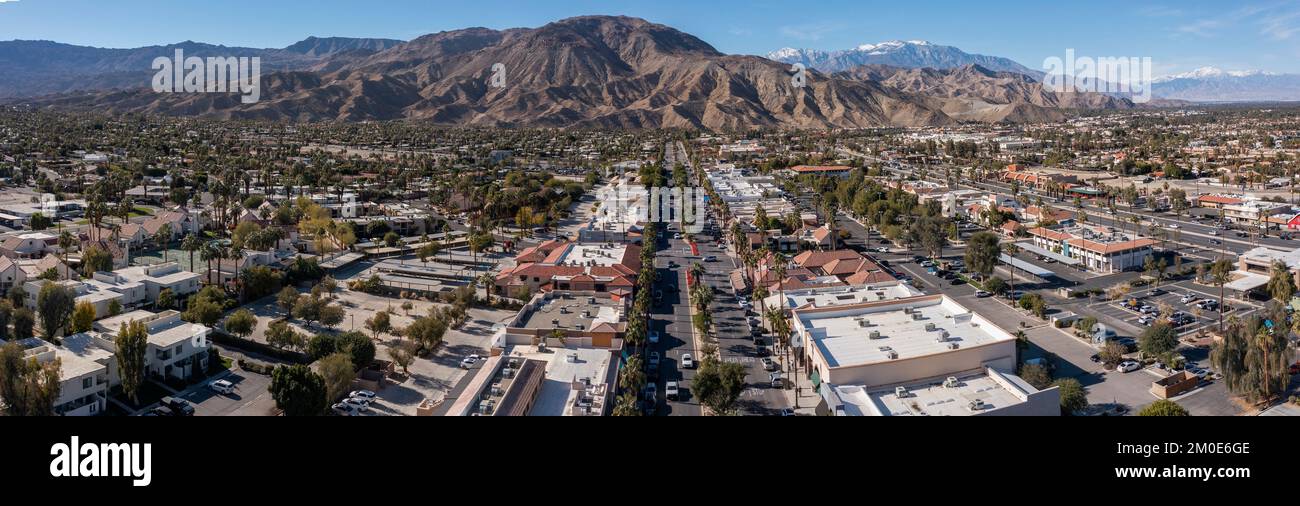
(1027, 267)
(1045, 253)
(1247, 282)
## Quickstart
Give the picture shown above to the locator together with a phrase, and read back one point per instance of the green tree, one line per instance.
(132, 340)
(203, 310)
(94, 259)
(380, 324)
(83, 317)
(6, 316)
(24, 323)
(982, 253)
(338, 372)
(1073, 398)
(241, 323)
(995, 286)
(27, 387)
(55, 305)
(1158, 340)
(357, 346)
(1281, 284)
(391, 239)
(331, 315)
(166, 299)
(1164, 407)
(286, 299)
(719, 385)
(280, 335)
(1036, 375)
(1220, 274)
(298, 391)
(403, 355)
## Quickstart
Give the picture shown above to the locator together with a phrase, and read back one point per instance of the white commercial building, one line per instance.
(862, 353)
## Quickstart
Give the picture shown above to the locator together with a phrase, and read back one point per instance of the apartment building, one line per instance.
(175, 347)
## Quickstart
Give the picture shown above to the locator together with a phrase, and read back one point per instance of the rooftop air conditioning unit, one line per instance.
(893, 355)
(929, 327)
(977, 405)
(864, 323)
(508, 372)
(907, 310)
(917, 316)
(875, 334)
(555, 322)
(953, 346)
(901, 392)
(951, 382)
(514, 362)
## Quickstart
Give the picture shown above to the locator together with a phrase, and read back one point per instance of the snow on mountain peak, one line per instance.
(1213, 73)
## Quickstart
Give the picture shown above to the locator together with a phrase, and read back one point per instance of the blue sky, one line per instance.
(1178, 35)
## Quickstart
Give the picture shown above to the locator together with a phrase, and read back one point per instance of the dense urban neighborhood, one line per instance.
(1130, 263)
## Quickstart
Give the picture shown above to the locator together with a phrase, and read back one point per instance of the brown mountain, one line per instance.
(593, 71)
(974, 93)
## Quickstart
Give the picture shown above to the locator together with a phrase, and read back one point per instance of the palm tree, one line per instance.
(66, 241)
(191, 244)
(1012, 250)
(1220, 274)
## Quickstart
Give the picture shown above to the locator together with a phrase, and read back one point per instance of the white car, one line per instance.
(222, 387)
(469, 361)
(358, 404)
(1129, 366)
(670, 391)
(769, 364)
(688, 362)
(344, 409)
(654, 337)
(1174, 227)
(363, 394)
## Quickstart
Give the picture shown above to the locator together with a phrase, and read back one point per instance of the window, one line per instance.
(87, 382)
(177, 351)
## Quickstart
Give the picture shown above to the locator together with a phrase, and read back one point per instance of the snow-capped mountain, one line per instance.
(1212, 73)
(1211, 84)
(897, 53)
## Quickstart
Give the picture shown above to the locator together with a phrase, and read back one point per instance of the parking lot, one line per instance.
(1170, 298)
(250, 398)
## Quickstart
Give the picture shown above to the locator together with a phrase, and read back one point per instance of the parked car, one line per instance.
(670, 391)
(761, 350)
(1095, 358)
(344, 409)
(654, 337)
(222, 387)
(769, 364)
(983, 294)
(777, 380)
(653, 361)
(1188, 299)
(363, 394)
(359, 404)
(180, 407)
(469, 361)
(652, 392)
(1129, 366)
(160, 411)
(688, 362)
(787, 412)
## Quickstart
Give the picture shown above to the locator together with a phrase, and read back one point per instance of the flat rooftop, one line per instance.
(565, 366)
(575, 312)
(843, 296)
(933, 398)
(603, 255)
(843, 334)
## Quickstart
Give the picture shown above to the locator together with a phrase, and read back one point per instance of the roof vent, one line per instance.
(875, 334)
(902, 393)
(929, 327)
(951, 382)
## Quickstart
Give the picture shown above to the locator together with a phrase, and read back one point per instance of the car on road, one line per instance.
(344, 409)
(222, 387)
(982, 294)
(768, 364)
(688, 362)
(1129, 366)
(710, 258)
(777, 380)
(1214, 233)
(653, 361)
(358, 404)
(670, 391)
(654, 337)
(882, 249)
(677, 236)
(1016, 295)
(957, 282)
(1174, 226)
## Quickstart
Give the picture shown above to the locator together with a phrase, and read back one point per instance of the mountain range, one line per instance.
(897, 53)
(1209, 84)
(592, 71)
